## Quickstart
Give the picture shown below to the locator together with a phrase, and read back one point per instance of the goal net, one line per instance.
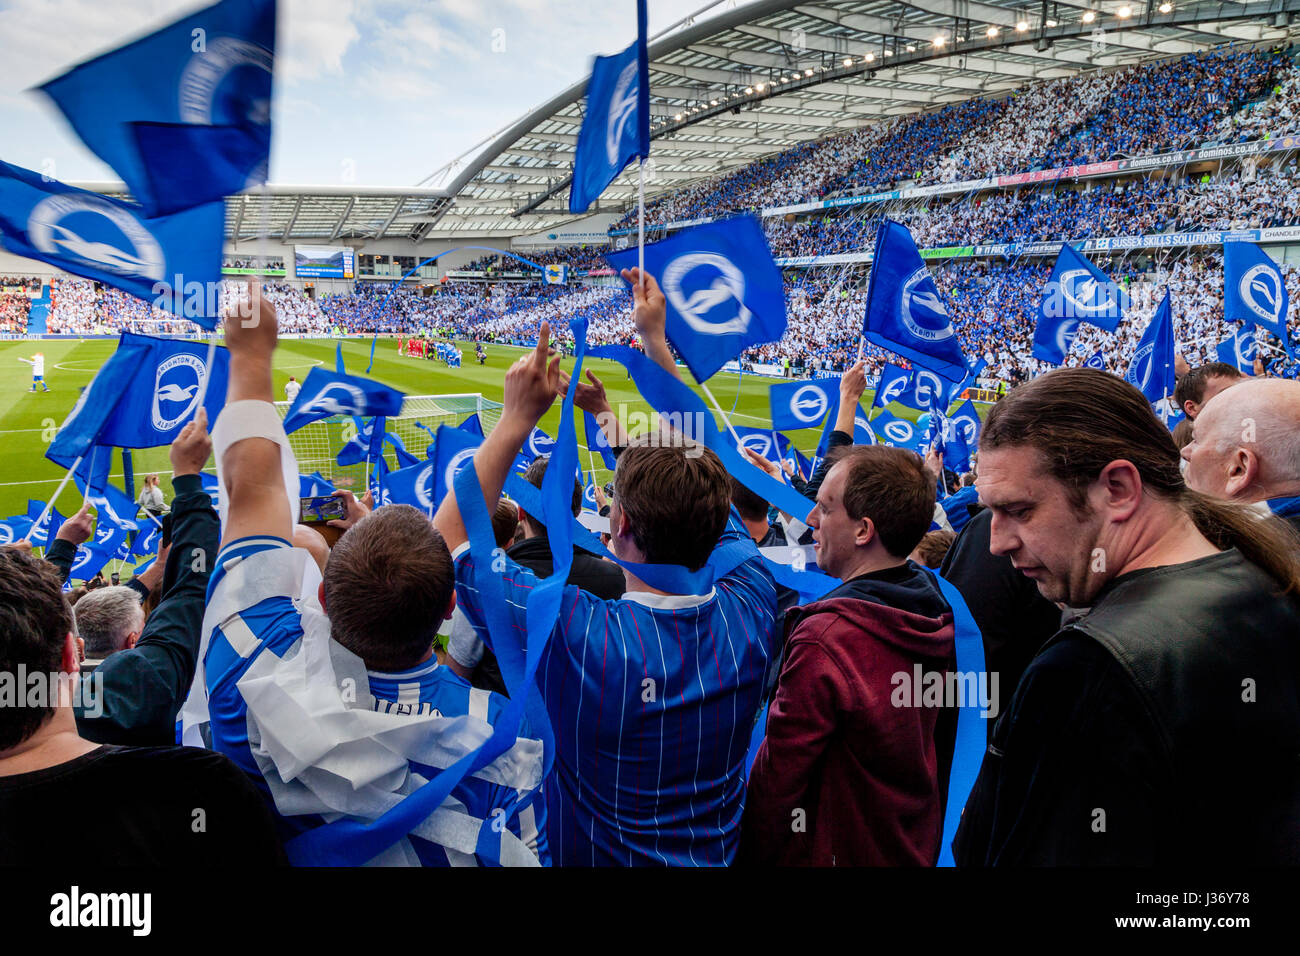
(317, 444)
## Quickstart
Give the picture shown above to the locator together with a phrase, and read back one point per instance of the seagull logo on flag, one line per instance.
(762, 444)
(809, 404)
(1065, 335)
(336, 398)
(49, 234)
(424, 486)
(168, 390)
(893, 390)
(899, 431)
(454, 467)
(727, 286)
(1142, 361)
(622, 110)
(6, 534)
(922, 311)
(1260, 289)
(928, 387)
(1086, 296)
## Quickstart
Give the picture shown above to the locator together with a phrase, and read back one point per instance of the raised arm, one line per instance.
(852, 384)
(650, 316)
(530, 388)
(256, 501)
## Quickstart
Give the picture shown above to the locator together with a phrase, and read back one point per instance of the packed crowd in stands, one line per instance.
(15, 305)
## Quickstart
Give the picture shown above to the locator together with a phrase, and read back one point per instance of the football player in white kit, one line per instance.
(37, 362)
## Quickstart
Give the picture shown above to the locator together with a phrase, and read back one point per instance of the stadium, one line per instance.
(849, 171)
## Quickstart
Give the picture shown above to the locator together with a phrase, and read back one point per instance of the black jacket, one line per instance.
(604, 579)
(1162, 727)
(144, 687)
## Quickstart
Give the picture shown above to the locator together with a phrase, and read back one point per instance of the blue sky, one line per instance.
(373, 92)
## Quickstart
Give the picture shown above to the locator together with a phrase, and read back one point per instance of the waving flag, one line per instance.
(803, 404)
(14, 528)
(1239, 349)
(897, 432)
(616, 123)
(962, 437)
(171, 261)
(42, 534)
(1098, 360)
(91, 558)
(86, 422)
(314, 485)
(327, 394)
(211, 486)
(472, 425)
(589, 495)
(163, 395)
(1077, 292)
(147, 541)
(596, 440)
(183, 115)
(1254, 290)
(1152, 366)
(771, 445)
(904, 312)
(414, 485)
(723, 290)
(455, 449)
(924, 390)
(112, 506)
(365, 444)
(890, 385)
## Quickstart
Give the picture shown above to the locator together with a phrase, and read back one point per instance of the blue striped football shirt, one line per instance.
(275, 626)
(652, 699)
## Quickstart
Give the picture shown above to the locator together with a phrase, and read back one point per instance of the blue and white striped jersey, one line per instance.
(274, 625)
(652, 699)
(431, 688)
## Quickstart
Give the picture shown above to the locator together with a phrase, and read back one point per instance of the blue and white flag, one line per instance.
(1098, 360)
(890, 385)
(926, 390)
(164, 394)
(616, 122)
(113, 508)
(359, 447)
(1239, 349)
(90, 560)
(326, 394)
(1152, 366)
(897, 432)
(212, 487)
(1077, 292)
(14, 528)
(904, 312)
(956, 389)
(1254, 290)
(172, 261)
(772, 445)
(797, 405)
(455, 449)
(147, 541)
(589, 502)
(597, 441)
(722, 288)
(314, 485)
(472, 425)
(80, 431)
(42, 534)
(183, 115)
(413, 485)
(961, 437)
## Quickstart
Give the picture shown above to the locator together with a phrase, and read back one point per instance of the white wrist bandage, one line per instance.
(253, 419)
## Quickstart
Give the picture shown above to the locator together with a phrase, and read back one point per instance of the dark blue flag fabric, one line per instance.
(183, 115)
(93, 471)
(904, 312)
(589, 502)
(472, 425)
(1254, 290)
(357, 448)
(897, 432)
(147, 541)
(163, 395)
(171, 261)
(961, 438)
(80, 431)
(1098, 360)
(722, 287)
(314, 485)
(616, 122)
(455, 449)
(797, 405)
(596, 441)
(325, 394)
(925, 389)
(1077, 292)
(112, 506)
(1152, 366)
(1238, 350)
(413, 485)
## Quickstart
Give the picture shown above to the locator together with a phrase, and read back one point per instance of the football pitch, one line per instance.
(29, 421)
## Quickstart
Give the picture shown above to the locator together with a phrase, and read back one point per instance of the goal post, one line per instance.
(316, 445)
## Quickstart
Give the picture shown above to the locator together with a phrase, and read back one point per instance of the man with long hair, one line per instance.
(1160, 724)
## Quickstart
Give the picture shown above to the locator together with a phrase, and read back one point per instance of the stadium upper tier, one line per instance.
(1221, 96)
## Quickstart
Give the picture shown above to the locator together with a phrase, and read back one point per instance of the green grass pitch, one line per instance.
(29, 420)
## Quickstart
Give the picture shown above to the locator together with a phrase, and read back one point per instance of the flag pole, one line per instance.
(49, 505)
(207, 370)
(727, 421)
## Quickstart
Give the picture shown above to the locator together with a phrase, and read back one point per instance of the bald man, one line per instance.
(1246, 446)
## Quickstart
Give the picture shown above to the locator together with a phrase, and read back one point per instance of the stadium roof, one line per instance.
(732, 84)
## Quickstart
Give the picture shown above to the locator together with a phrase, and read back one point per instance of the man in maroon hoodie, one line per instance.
(851, 772)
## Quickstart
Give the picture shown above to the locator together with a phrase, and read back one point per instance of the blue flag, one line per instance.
(1238, 350)
(961, 437)
(455, 449)
(326, 394)
(1254, 290)
(91, 558)
(891, 383)
(925, 389)
(357, 448)
(1077, 292)
(85, 423)
(147, 541)
(897, 432)
(164, 393)
(772, 445)
(314, 485)
(14, 528)
(1098, 360)
(112, 506)
(183, 115)
(92, 473)
(42, 534)
(472, 425)
(803, 404)
(596, 441)
(414, 485)
(904, 312)
(171, 261)
(589, 495)
(723, 290)
(1152, 366)
(616, 121)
